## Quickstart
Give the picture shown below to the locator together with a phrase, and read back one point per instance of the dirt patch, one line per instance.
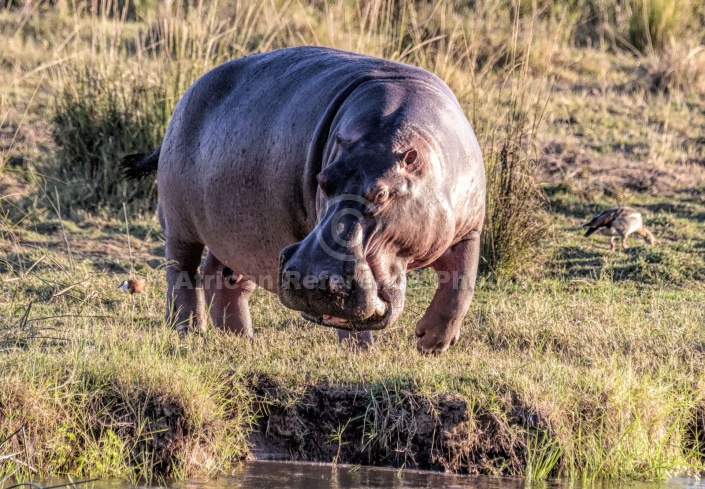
(105, 252)
(573, 167)
(381, 427)
(695, 429)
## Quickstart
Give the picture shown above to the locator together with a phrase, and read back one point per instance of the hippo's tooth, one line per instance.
(380, 307)
(326, 316)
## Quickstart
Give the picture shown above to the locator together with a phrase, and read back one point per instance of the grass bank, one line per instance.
(597, 374)
(573, 361)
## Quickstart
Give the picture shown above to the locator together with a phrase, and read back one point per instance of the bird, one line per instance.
(132, 286)
(619, 221)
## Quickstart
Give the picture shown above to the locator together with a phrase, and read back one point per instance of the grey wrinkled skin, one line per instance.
(347, 165)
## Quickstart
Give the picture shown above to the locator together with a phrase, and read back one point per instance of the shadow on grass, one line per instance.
(638, 264)
(572, 262)
(564, 203)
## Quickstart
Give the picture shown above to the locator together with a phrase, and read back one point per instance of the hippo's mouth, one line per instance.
(379, 320)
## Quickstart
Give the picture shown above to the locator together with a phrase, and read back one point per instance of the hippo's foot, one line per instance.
(435, 338)
(355, 340)
(185, 310)
(439, 328)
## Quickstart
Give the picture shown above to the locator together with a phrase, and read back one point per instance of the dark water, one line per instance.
(264, 475)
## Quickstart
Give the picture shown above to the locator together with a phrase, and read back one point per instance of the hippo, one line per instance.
(324, 176)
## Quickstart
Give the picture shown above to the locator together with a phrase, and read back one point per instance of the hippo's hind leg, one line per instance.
(227, 295)
(184, 294)
(439, 327)
(184, 299)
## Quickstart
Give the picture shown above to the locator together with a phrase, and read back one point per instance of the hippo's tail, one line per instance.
(138, 166)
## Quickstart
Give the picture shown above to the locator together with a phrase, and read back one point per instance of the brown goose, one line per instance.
(619, 221)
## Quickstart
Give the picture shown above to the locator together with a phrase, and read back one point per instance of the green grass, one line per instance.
(590, 376)
(573, 361)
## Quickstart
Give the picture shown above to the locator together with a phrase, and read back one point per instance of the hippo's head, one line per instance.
(383, 208)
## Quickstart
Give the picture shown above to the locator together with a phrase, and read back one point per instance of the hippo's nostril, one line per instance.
(290, 279)
(355, 237)
(230, 277)
(286, 254)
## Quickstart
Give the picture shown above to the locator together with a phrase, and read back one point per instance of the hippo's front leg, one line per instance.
(439, 327)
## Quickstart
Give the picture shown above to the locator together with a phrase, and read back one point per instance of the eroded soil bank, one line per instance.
(405, 429)
(376, 427)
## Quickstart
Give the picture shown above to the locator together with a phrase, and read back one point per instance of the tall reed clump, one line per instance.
(118, 99)
(100, 117)
(653, 23)
(514, 224)
(640, 26)
(514, 221)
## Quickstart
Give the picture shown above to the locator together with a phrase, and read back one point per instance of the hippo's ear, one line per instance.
(411, 161)
(410, 157)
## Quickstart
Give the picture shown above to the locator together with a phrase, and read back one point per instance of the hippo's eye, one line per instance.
(381, 195)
